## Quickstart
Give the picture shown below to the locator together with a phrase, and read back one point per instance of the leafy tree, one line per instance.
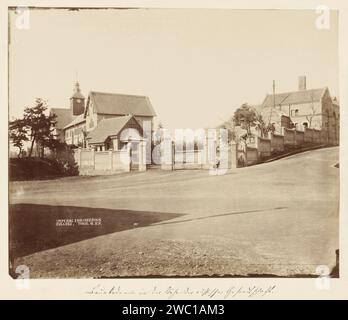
(35, 127)
(229, 125)
(245, 117)
(18, 134)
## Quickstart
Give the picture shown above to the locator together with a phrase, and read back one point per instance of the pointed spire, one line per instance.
(77, 87)
(77, 92)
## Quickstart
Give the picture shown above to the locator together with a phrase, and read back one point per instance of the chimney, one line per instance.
(302, 83)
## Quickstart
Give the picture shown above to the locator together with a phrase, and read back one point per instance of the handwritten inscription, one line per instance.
(172, 292)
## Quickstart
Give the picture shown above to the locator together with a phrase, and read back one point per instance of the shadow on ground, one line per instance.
(33, 228)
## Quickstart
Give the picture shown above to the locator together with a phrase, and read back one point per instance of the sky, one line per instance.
(196, 65)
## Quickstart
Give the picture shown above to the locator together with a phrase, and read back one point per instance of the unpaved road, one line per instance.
(279, 218)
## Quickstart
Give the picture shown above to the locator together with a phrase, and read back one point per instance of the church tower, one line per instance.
(77, 101)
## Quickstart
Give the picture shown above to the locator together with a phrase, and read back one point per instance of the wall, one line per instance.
(277, 143)
(310, 112)
(245, 156)
(299, 137)
(74, 134)
(252, 156)
(92, 162)
(289, 138)
(146, 124)
(308, 136)
(263, 147)
(91, 117)
(240, 155)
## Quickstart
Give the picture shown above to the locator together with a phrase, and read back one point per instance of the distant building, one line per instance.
(100, 122)
(312, 108)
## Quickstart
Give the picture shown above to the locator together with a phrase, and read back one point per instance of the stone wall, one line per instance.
(299, 138)
(277, 144)
(289, 138)
(264, 147)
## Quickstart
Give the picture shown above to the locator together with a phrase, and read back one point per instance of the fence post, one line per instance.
(79, 157)
(233, 155)
(93, 158)
(167, 154)
(142, 155)
(111, 162)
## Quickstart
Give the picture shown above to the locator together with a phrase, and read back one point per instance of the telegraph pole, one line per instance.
(270, 115)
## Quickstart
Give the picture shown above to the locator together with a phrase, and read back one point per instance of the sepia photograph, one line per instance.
(173, 143)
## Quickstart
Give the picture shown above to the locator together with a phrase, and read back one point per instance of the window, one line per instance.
(305, 124)
(295, 112)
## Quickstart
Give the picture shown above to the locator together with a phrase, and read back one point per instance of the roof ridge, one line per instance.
(289, 92)
(119, 94)
(118, 117)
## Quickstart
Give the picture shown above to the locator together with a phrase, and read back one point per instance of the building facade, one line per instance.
(99, 122)
(311, 108)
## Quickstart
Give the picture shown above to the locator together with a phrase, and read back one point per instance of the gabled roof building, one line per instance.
(102, 118)
(312, 108)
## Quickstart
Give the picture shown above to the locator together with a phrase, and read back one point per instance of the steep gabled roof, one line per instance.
(302, 96)
(64, 117)
(108, 127)
(121, 104)
(77, 120)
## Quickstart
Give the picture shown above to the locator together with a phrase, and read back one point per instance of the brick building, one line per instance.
(312, 108)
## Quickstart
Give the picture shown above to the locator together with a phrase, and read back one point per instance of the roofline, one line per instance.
(125, 95)
(118, 115)
(288, 92)
(71, 124)
(118, 94)
(151, 106)
(130, 118)
(324, 89)
(124, 116)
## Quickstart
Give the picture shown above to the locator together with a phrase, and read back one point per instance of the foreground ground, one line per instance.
(279, 218)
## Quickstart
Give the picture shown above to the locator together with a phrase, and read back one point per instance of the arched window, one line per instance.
(305, 124)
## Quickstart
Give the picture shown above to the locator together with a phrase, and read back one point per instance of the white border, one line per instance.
(75, 289)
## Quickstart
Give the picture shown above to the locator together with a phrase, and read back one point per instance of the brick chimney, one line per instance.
(302, 83)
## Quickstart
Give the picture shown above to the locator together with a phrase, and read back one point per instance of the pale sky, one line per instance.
(196, 65)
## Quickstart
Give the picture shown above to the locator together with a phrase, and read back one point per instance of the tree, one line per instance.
(229, 125)
(245, 117)
(40, 126)
(263, 128)
(35, 127)
(312, 114)
(18, 134)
